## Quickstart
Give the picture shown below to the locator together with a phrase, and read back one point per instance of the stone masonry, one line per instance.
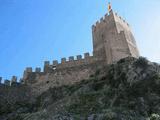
(112, 41)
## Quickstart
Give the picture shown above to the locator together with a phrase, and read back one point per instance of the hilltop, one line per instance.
(126, 90)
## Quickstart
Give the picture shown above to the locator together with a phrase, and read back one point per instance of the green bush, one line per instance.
(155, 117)
(141, 62)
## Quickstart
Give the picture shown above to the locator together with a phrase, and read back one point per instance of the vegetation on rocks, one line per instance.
(126, 90)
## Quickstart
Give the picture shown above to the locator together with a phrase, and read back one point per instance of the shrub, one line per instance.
(141, 62)
(155, 117)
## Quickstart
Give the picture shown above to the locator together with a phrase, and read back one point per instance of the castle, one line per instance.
(112, 41)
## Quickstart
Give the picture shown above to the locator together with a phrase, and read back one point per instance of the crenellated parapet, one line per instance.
(55, 62)
(37, 69)
(121, 19)
(46, 63)
(79, 57)
(63, 60)
(70, 62)
(29, 73)
(86, 55)
(46, 66)
(71, 58)
(7, 82)
(30, 76)
(107, 19)
(26, 72)
(14, 81)
(102, 21)
(29, 69)
(21, 81)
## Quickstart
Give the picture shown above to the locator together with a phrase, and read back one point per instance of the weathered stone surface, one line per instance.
(113, 39)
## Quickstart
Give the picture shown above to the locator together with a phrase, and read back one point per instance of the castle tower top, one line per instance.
(113, 38)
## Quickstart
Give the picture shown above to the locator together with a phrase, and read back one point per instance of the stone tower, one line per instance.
(113, 39)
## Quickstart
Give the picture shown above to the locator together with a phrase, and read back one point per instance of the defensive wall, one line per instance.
(67, 72)
(71, 62)
(112, 41)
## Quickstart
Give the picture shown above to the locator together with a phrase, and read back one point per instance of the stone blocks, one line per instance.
(38, 70)
(29, 69)
(79, 57)
(46, 63)
(63, 60)
(55, 62)
(7, 82)
(71, 58)
(86, 55)
(14, 79)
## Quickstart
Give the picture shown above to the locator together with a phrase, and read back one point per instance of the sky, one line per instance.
(34, 31)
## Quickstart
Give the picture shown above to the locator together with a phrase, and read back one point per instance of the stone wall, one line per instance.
(71, 62)
(122, 25)
(66, 72)
(113, 39)
(61, 76)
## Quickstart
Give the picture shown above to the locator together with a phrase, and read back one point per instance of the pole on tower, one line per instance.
(109, 6)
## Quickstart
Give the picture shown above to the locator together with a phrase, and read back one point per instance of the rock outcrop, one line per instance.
(126, 90)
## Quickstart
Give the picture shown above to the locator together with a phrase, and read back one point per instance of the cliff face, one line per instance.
(126, 90)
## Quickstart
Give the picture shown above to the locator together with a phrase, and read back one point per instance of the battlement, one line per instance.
(64, 64)
(21, 81)
(71, 59)
(70, 62)
(55, 62)
(79, 57)
(7, 82)
(38, 70)
(102, 20)
(63, 60)
(86, 55)
(107, 18)
(28, 69)
(121, 19)
(46, 63)
(12, 82)
(14, 79)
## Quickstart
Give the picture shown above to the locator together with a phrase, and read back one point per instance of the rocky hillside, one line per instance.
(126, 90)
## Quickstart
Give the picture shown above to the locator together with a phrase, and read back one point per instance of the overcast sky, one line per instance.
(32, 31)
